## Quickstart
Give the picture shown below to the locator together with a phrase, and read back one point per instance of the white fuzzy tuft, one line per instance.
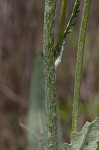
(58, 60)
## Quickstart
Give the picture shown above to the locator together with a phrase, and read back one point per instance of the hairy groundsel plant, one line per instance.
(89, 135)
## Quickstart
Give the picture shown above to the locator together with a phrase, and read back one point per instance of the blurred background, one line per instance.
(21, 73)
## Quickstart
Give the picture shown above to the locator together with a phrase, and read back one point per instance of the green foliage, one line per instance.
(36, 113)
(70, 25)
(89, 136)
(87, 139)
(62, 21)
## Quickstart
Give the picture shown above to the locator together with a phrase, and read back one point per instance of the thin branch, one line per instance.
(13, 96)
(79, 64)
(28, 129)
(41, 132)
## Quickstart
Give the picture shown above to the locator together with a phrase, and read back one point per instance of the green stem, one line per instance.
(79, 64)
(50, 74)
(62, 21)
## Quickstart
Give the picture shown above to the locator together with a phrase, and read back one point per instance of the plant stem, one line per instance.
(62, 21)
(79, 64)
(50, 74)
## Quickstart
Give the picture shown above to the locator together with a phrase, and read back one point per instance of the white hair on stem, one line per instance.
(58, 60)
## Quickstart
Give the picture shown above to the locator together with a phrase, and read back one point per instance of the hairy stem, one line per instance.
(79, 64)
(50, 75)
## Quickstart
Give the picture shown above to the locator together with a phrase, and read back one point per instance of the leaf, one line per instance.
(36, 111)
(87, 139)
(69, 28)
(74, 14)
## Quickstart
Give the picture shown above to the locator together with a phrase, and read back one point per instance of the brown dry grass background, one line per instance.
(21, 38)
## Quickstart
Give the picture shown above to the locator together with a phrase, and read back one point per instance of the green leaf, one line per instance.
(74, 14)
(36, 111)
(87, 139)
(62, 21)
(69, 28)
